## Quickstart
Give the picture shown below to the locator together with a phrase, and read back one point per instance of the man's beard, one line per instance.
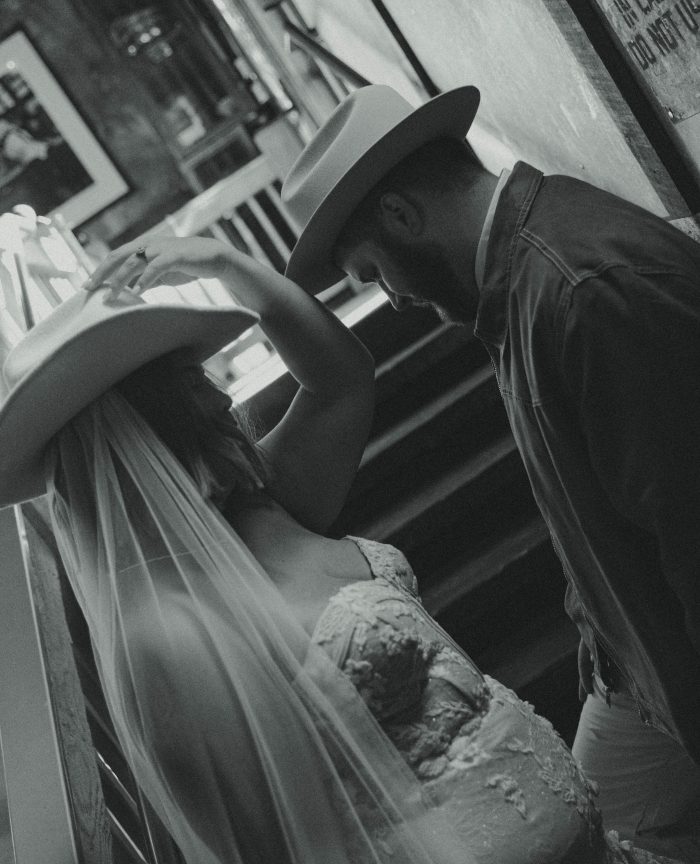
(431, 280)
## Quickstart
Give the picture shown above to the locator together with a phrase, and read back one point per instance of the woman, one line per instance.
(221, 617)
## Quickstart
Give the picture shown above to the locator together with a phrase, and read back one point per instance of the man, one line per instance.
(590, 310)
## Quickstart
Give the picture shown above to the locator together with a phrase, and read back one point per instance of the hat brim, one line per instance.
(448, 115)
(85, 367)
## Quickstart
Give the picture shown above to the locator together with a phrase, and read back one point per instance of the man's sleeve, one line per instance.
(630, 354)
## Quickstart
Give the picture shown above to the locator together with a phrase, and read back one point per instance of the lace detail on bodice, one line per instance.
(379, 634)
(501, 773)
(480, 752)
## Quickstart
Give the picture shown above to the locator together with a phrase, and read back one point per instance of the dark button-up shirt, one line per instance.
(590, 309)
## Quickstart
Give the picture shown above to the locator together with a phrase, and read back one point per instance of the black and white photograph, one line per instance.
(350, 432)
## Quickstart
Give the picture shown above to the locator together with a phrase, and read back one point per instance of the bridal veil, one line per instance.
(248, 741)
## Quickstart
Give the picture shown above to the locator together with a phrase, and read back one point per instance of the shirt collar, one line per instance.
(513, 207)
(480, 259)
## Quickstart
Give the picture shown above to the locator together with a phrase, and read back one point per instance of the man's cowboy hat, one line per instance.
(77, 353)
(368, 134)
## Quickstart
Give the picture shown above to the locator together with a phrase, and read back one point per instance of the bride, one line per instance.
(280, 696)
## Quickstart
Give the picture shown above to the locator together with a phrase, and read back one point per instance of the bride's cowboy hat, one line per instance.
(77, 353)
(367, 135)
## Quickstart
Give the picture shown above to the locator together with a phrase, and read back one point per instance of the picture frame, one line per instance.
(49, 157)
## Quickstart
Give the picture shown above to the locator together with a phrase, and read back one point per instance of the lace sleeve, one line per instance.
(388, 562)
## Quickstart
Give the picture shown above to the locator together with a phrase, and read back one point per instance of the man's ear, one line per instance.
(400, 217)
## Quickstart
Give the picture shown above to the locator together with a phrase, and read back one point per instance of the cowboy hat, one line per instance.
(78, 352)
(368, 134)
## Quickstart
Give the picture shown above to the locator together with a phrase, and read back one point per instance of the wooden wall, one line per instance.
(546, 97)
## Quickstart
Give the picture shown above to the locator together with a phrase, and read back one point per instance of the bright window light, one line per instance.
(250, 358)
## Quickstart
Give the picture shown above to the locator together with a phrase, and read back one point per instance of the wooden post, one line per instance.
(56, 809)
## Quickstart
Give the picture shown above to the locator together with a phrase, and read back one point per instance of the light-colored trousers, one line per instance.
(649, 786)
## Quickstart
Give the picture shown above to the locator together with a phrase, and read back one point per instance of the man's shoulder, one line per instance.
(583, 230)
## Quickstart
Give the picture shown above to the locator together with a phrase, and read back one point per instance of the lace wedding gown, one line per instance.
(508, 781)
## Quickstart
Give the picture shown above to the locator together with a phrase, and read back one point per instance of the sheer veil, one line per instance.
(248, 741)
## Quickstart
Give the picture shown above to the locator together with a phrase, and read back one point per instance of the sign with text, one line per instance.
(662, 38)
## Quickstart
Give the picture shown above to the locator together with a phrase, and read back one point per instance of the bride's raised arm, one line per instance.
(314, 451)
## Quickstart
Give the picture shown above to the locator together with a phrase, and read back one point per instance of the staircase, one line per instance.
(442, 480)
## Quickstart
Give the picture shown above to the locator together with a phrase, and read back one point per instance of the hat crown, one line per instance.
(367, 135)
(361, 120)
(81, 350)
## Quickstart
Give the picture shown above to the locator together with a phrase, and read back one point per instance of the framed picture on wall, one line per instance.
(49, 158)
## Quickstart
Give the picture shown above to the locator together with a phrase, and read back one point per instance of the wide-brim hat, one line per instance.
(366, 136)
(79, 351)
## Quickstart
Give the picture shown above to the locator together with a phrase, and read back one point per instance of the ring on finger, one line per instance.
(141, 253)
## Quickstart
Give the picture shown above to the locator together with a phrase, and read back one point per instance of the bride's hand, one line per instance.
(145, 262)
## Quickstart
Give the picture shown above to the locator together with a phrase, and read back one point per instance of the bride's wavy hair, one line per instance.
(163, 393)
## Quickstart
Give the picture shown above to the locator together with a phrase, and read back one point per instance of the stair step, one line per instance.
(532, 652)
(441, 364)
(428, 414)
(438, 492)
(455, 427)
(386, 332)
(411, 339)
(532, 587)
(471, 575)
(398, 370)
